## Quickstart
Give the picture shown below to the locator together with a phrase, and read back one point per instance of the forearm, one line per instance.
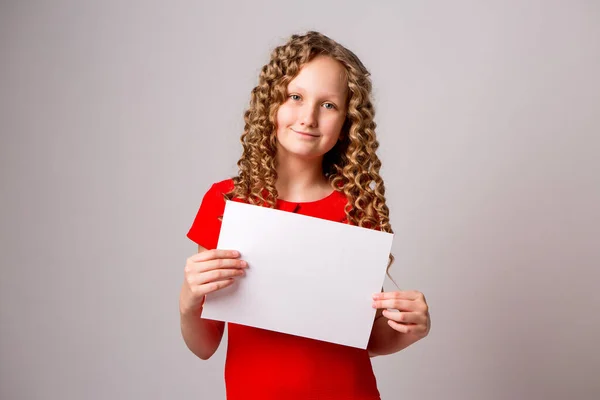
(385, 340)
(202, 336)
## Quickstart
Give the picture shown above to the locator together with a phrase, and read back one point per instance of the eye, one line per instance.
(329, 106)
(294, 97)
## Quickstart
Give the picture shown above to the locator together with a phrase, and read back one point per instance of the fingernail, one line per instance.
(375, 296)
(374, 305)
(244, 264)
(235, 253)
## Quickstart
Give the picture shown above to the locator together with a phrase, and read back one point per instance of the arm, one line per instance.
(202, 336)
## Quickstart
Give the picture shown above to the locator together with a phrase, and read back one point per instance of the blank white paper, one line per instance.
(307, 276)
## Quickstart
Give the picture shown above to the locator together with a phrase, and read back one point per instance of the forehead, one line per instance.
(322, 75)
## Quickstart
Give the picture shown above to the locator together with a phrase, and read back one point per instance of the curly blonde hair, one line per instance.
(352, 166)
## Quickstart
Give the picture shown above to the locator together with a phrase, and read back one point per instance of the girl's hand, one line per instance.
(206, 272)
(410, 313)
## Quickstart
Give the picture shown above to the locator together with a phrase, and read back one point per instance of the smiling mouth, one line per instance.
(306, 133)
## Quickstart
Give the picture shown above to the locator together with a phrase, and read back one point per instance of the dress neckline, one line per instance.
(330, 195)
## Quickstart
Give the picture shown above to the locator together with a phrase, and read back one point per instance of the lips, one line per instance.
(306, 133)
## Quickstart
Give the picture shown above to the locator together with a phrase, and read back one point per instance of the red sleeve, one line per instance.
(207, 226)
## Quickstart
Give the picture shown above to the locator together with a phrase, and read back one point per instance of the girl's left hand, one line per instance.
(410, 315)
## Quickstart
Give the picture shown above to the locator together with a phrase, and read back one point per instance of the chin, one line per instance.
(298, 151)
(304, 154)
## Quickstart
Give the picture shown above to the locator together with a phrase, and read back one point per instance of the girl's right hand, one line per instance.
(206, 272)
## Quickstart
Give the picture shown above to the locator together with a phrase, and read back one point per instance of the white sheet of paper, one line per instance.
(307, 276)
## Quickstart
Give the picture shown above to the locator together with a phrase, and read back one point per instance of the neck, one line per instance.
(300, 179)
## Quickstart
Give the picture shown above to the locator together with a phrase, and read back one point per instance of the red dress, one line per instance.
(269, 365)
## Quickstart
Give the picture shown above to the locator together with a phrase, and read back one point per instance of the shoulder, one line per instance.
(218, 190)
(222, 187)
(213, 200)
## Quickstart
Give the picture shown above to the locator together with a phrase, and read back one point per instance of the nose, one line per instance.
(308, 116)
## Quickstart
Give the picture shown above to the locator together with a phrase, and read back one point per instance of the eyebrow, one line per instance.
(328, 95)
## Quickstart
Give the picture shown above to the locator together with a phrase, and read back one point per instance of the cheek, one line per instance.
(334, 126)
(285, 116)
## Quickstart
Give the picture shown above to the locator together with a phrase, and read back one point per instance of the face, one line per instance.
(309, 122)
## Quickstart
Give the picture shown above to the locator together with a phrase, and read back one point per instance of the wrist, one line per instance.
(193, 311)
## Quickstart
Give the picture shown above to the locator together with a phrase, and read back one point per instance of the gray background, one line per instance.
(117, 116)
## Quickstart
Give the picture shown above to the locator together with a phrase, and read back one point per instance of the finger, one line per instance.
(214, 286)
(405, 317)
(399, 294)
(213, 254)
(220, 263)
(218, 275)
(404, 328)
(403, 305)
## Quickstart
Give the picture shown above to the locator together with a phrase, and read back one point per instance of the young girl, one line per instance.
(308, 147)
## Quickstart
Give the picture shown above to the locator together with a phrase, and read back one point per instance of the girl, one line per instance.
(308, 147)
